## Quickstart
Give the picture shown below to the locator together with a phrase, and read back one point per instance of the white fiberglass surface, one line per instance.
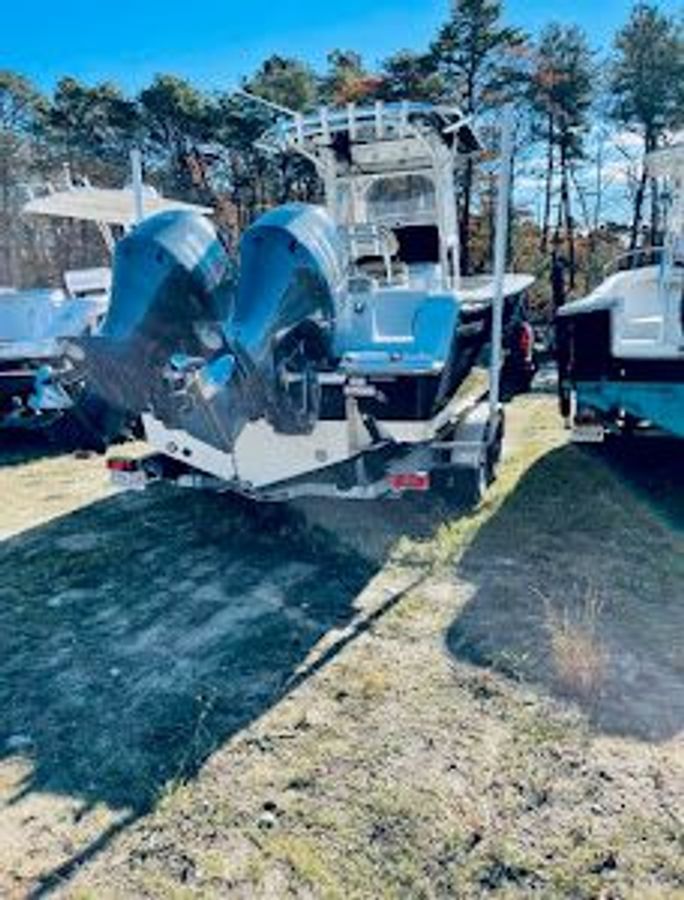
(115, 207)
(648, 318)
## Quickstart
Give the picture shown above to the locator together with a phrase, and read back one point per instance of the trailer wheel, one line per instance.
(475, 481)
(494, 450)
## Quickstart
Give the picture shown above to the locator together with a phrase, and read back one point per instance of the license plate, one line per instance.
(128, 481)
(588, 434)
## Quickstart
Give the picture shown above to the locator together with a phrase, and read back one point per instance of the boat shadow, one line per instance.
(576, 588)
(140, 633)
(19, 446)
(653, 467)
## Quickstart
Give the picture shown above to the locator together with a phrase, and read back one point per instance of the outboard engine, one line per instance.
(206, 351)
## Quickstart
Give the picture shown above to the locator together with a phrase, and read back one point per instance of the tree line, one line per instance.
(199, 145)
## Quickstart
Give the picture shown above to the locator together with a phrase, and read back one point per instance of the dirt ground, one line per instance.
(200, 697)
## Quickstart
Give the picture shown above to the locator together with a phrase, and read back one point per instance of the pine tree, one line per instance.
(410, 76)
(285, 81)
(175, 119)
(292, 84)
(20, 106)
(472, 54)
(647, 87)
(561, 92)
(91, 129)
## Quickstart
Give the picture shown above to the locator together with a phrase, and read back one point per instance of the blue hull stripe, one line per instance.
(659, 403)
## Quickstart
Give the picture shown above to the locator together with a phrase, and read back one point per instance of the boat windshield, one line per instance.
(402, 200)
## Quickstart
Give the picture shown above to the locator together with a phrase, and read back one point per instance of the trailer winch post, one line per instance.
(500, 248)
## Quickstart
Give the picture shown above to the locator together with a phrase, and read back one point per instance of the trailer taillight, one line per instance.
(410, 481)
(526, 339)
(120, 464)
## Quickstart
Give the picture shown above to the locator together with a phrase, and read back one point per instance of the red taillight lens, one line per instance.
(410, 481)
(119, 464)
(526, 340)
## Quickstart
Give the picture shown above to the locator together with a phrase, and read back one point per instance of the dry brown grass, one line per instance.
(578, 655)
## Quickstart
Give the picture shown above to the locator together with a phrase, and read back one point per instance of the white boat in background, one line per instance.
(34, 324)
(621, 349)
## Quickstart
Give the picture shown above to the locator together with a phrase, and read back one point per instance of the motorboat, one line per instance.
(343, 353)
(32, 325)
(621, 348)
(35, 323)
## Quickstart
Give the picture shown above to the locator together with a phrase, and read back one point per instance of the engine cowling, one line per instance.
(206, 349)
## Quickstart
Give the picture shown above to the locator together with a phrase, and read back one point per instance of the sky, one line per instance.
(216, 42)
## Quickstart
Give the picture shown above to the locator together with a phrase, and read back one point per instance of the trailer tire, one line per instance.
(495, 449)
(476, 480)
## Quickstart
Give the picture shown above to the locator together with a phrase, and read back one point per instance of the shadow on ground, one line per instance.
(20, 446)
(140, 633)
(578, 586)
(655, 469)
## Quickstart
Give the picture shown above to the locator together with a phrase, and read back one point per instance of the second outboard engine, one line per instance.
(206, 351)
